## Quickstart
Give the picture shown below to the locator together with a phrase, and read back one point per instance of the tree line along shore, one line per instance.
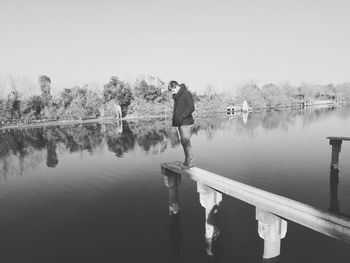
(148, 96)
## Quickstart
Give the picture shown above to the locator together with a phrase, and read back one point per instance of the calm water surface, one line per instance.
(94, 193)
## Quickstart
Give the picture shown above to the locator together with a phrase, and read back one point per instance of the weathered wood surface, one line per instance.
(339, 138)
(319, 220)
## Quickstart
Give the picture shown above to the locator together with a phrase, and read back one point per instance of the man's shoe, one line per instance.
(186, 165)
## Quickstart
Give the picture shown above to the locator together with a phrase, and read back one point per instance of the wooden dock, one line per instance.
(271, 210)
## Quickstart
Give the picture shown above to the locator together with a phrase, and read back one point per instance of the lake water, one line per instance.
(94, 192)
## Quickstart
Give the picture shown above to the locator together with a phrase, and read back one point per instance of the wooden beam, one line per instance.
(339, 138)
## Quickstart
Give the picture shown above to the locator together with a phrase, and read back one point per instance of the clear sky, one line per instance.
(196, 42)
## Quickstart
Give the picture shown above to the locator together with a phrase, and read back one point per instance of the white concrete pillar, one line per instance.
(272, 229)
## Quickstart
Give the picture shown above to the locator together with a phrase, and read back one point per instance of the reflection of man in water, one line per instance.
(213, 229)
(182, 117)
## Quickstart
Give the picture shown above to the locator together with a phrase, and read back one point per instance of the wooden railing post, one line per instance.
(336, 147)
(210, 200)
(173, 181)
(272, 229)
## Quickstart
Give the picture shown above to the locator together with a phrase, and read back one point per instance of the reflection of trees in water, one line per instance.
(80, 137)
(279, 119)
(284, 119)
(31, 146)
(153, 135)
(18, 147)
(24, 145)
(344, 112)
(208, 125)
(119, 141)
(253, 122)
(312, 115)
(316, 114)
(14, 165)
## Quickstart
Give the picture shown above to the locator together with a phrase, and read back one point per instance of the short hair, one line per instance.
(172, 85)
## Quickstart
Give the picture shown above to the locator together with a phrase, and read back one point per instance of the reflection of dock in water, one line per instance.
(210, 201)
(271, 210)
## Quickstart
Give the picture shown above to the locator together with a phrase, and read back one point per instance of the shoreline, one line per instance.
(114, 120)
(74, 122)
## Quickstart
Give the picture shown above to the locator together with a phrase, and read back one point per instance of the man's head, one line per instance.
(173, 86)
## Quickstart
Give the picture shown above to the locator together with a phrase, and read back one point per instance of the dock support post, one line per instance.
(333, 184)
(173, 181)
(272, 229)
(334, 174)
(210, 200)
(336, 147)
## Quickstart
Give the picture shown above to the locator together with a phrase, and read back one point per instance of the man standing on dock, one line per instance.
(182, 117)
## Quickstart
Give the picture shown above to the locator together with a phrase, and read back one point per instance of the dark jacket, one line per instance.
(183, 107)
